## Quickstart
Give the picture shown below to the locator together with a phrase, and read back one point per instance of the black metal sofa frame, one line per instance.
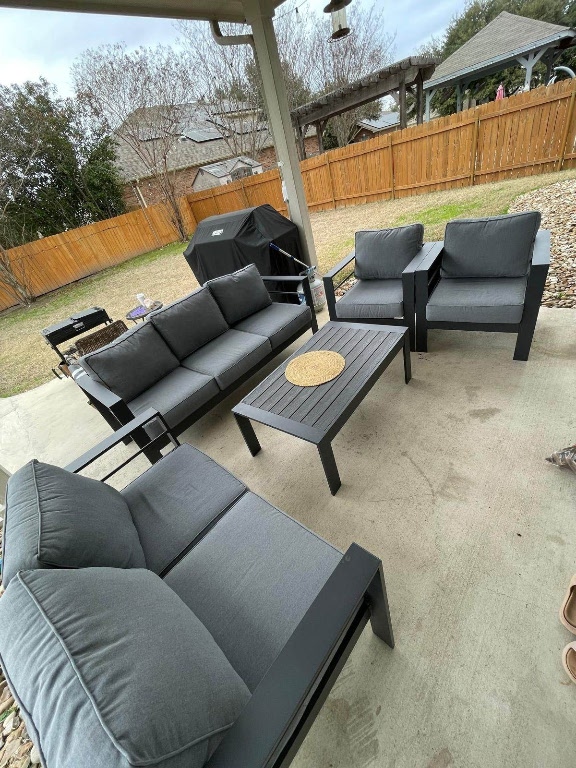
(117, 413)
(282, 709)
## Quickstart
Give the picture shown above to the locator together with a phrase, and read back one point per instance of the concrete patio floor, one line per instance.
(445, 480)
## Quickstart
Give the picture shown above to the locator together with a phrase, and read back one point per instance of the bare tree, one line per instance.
(144, 96)
(367, 48)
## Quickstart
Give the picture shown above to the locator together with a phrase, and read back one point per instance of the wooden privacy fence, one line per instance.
(527, 134)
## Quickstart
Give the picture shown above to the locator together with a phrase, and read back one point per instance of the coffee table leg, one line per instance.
(407, 363)
(330, 468)
(248, 434)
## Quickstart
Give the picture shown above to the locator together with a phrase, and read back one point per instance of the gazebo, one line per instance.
(506, 41)
(258, 15)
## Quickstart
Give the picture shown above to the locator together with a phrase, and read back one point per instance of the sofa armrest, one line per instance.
(94, 390)
(308, 298)
(541, 250)
(283, 707)
(133, 429)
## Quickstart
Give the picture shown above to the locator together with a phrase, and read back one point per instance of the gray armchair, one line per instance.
(487, 275)
(385, 262)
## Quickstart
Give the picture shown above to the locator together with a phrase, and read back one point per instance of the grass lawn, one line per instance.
(25, 360)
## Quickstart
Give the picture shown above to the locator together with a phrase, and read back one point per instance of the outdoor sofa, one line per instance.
(181, 622)
(487, 275)
(192, 354)
(384, 264)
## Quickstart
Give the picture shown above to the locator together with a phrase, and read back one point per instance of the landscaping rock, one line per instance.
(557, 203)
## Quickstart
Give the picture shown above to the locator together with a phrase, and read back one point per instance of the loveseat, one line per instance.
(181, 622)
(192, 354)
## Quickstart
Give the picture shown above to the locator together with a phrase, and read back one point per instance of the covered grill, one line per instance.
(230, 241)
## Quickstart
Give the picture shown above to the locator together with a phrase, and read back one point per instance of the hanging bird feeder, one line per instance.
(337, 10)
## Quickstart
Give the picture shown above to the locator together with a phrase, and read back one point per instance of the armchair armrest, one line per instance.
(132, 429)
(428, 258)
(340, 266)
(282, 708)
(541, 251)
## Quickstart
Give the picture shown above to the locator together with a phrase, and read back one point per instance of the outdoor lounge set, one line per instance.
(184, 621)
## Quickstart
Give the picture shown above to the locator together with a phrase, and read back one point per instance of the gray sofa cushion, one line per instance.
(55, 518)
(251, 579)
(500, 300)
(278, 322)
(112, 670)
(131, 363)
(229, 356)
(498, 246)
(383, 254)
(372, 299)
(176, 499)
(189, 323)
(176, 396)
(240, 294)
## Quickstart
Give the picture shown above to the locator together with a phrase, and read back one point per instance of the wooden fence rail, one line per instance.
(528, 134)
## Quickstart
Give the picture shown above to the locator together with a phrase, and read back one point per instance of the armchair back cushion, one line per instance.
(498, 246)
(57, 519)
(383, 254)
(132, 363)
(111, 664)
(240, 294)
(189, 323)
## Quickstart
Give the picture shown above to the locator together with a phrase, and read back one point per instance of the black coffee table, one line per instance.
(316, 414)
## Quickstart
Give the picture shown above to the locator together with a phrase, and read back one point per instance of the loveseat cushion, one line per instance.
(176, 396)
(132, 363)
(497, 246)
(240, 294)
(277, 322)
(55, 518)
(112, 670)
(229, 356)
(500, 300)
(383, 254)
(189, 323)
(251, 579)
(377, 299)
(176, 500)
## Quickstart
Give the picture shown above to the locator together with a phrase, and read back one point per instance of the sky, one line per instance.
(45, 43)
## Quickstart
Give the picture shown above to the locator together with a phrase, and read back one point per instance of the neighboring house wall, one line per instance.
(184, 179)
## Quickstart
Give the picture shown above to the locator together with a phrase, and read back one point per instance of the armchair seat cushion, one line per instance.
(372, 299)
(176, 396)
(250, 581)
(112, 670)
(175, 500)
(497, 300)
(229, 356)
(277, 322)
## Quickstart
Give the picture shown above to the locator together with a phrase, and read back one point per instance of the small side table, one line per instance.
(141, 313)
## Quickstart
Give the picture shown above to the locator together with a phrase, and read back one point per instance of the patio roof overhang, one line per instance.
(258, 15)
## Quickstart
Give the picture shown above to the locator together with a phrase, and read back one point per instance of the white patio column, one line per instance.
(259, 16)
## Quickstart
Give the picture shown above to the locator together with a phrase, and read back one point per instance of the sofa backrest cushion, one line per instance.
(57, 519)
(189, 323)
(498, 246)
(383, 254)
(240, 294)
(113, 670)
(132, 363)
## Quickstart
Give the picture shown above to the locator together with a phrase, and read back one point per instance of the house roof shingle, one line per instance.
(504, 38)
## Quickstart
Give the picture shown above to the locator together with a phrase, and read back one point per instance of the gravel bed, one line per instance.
(557, 203)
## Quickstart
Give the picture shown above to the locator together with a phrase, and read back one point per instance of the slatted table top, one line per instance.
(311, 413)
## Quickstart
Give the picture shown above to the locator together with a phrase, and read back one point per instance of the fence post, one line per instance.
(327, 160)
(474, 150)
(243, 188)
(393, 180)
(566, 135)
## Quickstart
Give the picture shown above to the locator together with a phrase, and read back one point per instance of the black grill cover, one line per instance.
(244, 239)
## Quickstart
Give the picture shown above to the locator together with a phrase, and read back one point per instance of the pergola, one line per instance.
(404, 76)
(258, 15)
(509, 40)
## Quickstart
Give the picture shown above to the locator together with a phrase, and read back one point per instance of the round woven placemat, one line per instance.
(313, 368)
